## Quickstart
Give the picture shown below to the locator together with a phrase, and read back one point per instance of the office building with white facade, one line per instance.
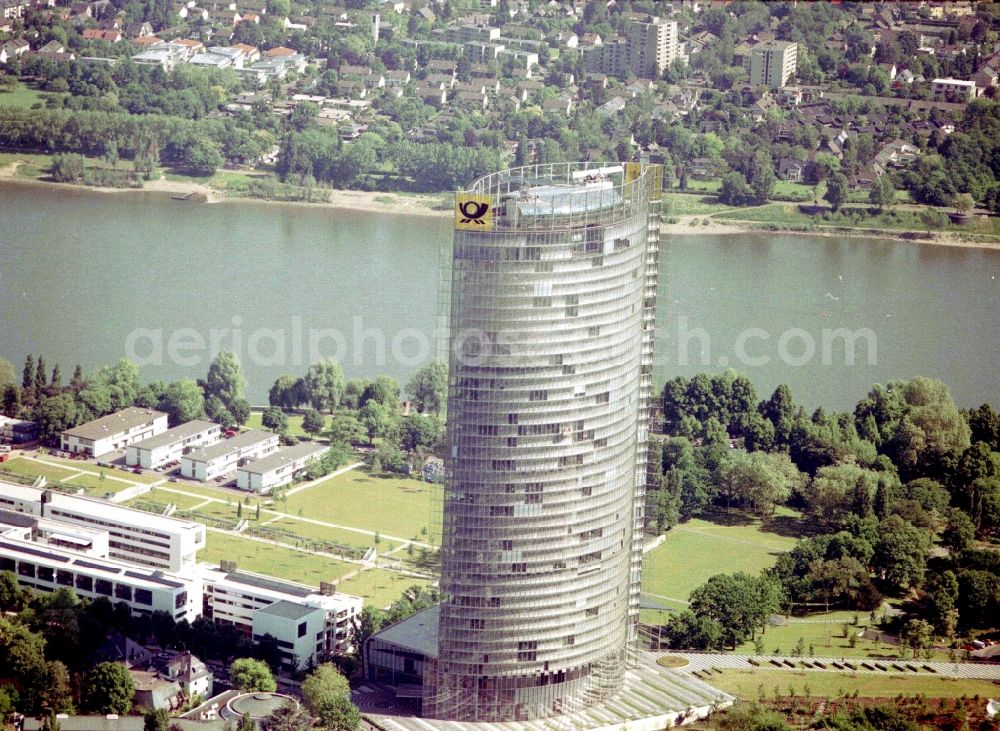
(773, 63)
(47, 568)
(133, 535)
(216, 460)
(278, 468)
(114, 431)
(235, 597)
(172, 444)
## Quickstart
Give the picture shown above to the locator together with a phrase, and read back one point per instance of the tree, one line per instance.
(108, 688)
(735, 191)
(384, 390)
(882, 193)
(757, 481)
(252, 676)
(917, 635)
(247, 723)
(182, 401)
(313, 422)
(289, 718)
(28, 374)
(7, 374)
(324, 384)
(420, 431)
(156, 720)
(959, 531)
(740, 603)
(687, 631)
(346, 429)
(339, 714)
(274, 419)
(836, 191)
(963, 203)
(225, 379)
(57, 695)
(288, 392)
(900, 553)
(429, 387)
(200, 156)
(54, 415)
(10, 593)
(328, 695)
(24, 661)
(41, 375)
(377, 420)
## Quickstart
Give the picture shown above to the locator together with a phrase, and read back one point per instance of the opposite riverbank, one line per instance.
(713, 219)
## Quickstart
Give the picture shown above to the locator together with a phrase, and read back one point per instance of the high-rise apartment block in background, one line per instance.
(553, 296)
(773, 63)
(646, 50)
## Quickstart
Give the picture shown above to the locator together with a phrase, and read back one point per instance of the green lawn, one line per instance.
(273, 560)
(337, 535)
(698, 549)
(206, 489)
(393, 506)
(94, 485)
(23, 97)
(294, 424)
(183, 502)
(688, 204)
(747, 684)
(823, 633)
(378, 587)
(34, 469)
(900, 219)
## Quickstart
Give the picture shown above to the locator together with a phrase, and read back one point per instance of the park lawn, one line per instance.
(33, 165)
(265, 558)
(94, 485)
(695, 550)
(79, 465)
(23, 97)
(322, 532)
(183, 502)
(206, 489)
(687, 204)
(747, 684)
(31, 468)
(393, 506)
(294, 424)
(379, 587)
(823, 636)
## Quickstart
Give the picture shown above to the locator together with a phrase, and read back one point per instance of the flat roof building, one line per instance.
(17, 431)
(278, 468)
(949, 89)
(219, 459)
(114, 431)
(134, 535)
(235, 597)
(170, 445)
(47, 568)
(773, 63)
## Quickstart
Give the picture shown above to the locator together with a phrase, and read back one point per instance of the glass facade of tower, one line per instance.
(552, 291)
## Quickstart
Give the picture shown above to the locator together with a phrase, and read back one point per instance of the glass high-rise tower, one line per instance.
(553, 295)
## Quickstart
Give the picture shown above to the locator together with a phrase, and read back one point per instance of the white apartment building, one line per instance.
(278, 468)
(948, 89)
(133, 535)
(235, 597)
(216, 460)
(773, 63)
(114, 431)
(171, 444)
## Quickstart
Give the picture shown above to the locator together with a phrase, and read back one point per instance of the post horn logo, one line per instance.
(473, 212)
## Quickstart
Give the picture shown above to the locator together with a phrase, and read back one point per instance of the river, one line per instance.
(89, 278)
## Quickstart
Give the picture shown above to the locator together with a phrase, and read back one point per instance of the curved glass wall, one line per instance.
(551, 336)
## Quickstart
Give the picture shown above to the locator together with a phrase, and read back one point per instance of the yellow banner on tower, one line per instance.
(632, 171)
(473, 211)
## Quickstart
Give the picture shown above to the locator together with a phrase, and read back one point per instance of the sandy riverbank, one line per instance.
(420, 205)
(707, 225)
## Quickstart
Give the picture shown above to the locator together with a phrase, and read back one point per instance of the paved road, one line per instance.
(706, 660)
